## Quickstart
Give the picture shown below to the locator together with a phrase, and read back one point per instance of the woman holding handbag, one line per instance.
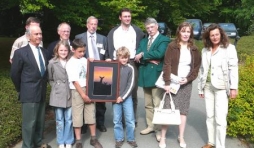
(218, 80)
(182, 59)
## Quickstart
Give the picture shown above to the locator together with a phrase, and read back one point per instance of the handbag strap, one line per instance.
(163, 101)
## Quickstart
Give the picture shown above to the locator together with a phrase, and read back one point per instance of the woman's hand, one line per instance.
(233, 93)
(183, 81)
(167, 88)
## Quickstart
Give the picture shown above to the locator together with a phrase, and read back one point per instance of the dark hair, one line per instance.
(77, 43)
(124, 10)
(32, 20)
(66, 44)
(223, 36)
(178, 35)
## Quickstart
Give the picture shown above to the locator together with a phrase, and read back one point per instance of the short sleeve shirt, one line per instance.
(76, 70)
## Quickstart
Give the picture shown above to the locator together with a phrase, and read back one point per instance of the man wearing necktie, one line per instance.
(96, 49)
(29, 75)
(150, 56)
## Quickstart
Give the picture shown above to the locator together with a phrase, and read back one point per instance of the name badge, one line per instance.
(99, 45)
(102, 51)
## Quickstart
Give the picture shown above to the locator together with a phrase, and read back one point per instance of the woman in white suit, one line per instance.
(218, 80)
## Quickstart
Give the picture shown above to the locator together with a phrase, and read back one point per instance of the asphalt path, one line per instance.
(195, 133)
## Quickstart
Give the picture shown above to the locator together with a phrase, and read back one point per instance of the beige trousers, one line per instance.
(153, 96)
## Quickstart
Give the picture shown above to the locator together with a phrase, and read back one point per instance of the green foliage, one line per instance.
(245, 47)
(10, 111)
(28, 6)
(241, 111)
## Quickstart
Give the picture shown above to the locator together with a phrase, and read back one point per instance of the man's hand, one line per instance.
(91, 59)
(138, 57)
(156, 62)
(108, 60)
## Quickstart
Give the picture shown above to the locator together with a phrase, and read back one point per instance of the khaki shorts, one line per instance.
(82, 111)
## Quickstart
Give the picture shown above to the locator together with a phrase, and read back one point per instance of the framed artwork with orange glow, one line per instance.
(102, 83)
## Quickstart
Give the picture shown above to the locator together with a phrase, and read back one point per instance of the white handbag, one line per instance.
(166, 116)
(174, 84)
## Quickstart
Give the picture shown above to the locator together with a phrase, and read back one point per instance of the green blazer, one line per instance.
(149, 72)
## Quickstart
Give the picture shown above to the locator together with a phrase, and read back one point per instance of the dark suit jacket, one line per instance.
(50, 49)
(26, 76)
(100, 39)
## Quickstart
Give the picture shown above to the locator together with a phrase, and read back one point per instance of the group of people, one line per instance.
(142, 58)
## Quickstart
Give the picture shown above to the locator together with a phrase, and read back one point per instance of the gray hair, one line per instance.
(91, 17)
(150, 20)
(28, 30)
(64, 23)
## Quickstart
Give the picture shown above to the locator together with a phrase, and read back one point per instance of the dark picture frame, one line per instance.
(102, 84)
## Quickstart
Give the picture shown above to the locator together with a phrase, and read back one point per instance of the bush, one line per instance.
(10, 111)
(241, 110)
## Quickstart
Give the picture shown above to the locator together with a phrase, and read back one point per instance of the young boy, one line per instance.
(124, 104)
(82, 107)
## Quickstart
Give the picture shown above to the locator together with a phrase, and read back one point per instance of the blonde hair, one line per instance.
(65, 43)
(123, 52)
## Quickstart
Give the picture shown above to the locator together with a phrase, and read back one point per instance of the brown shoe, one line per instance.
(79, 145)
(118, 144)
(208, 146)
(95, 143)
(133, 144)
(45, 146)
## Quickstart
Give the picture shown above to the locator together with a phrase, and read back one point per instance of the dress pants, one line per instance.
(216, 102)
(33, 120)
(100, 113)
(153, 96)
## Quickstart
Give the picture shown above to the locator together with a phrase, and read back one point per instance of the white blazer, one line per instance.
(224, 65)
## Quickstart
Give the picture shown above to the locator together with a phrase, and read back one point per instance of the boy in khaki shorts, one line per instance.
(82, 106)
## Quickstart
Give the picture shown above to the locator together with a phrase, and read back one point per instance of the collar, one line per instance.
(155, 36)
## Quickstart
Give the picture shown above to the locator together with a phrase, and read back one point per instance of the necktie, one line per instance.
(41, 62)
(149, 43)
(95, 50)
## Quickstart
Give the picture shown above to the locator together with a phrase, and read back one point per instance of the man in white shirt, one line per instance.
(128, 35)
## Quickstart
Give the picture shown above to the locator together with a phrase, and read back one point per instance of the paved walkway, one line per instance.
(195, 134)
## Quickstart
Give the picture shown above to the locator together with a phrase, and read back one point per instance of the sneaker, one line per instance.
(119, 144)
(61, 146)
(95, 143)
(68, 146)
(79, 145)
(133, 144)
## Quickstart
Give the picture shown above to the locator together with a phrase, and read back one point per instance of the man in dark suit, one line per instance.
(29, 75)
(64, 31)
(96, 50)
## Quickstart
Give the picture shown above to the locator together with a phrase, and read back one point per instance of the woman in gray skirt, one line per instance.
(182, 59)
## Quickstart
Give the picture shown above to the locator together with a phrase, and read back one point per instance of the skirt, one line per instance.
(181, 99)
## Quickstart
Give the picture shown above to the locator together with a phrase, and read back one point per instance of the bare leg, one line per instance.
(92, 128)
(77, 131)
(164, 129)
(182, 128)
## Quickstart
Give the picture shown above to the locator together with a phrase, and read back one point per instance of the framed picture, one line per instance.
(102, 83)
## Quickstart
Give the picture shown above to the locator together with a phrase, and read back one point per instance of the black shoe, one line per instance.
(45, 146)
(84, 129)
(101, 128)
(133, 144)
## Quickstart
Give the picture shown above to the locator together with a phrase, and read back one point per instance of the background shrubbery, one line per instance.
(241, 110)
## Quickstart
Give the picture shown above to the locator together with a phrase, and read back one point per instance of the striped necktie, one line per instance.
(41, 62)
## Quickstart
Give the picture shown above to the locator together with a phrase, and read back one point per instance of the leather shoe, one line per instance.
(45, 146)
(208, 146)
(101, 128)
(95, 143)
(146, 131)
